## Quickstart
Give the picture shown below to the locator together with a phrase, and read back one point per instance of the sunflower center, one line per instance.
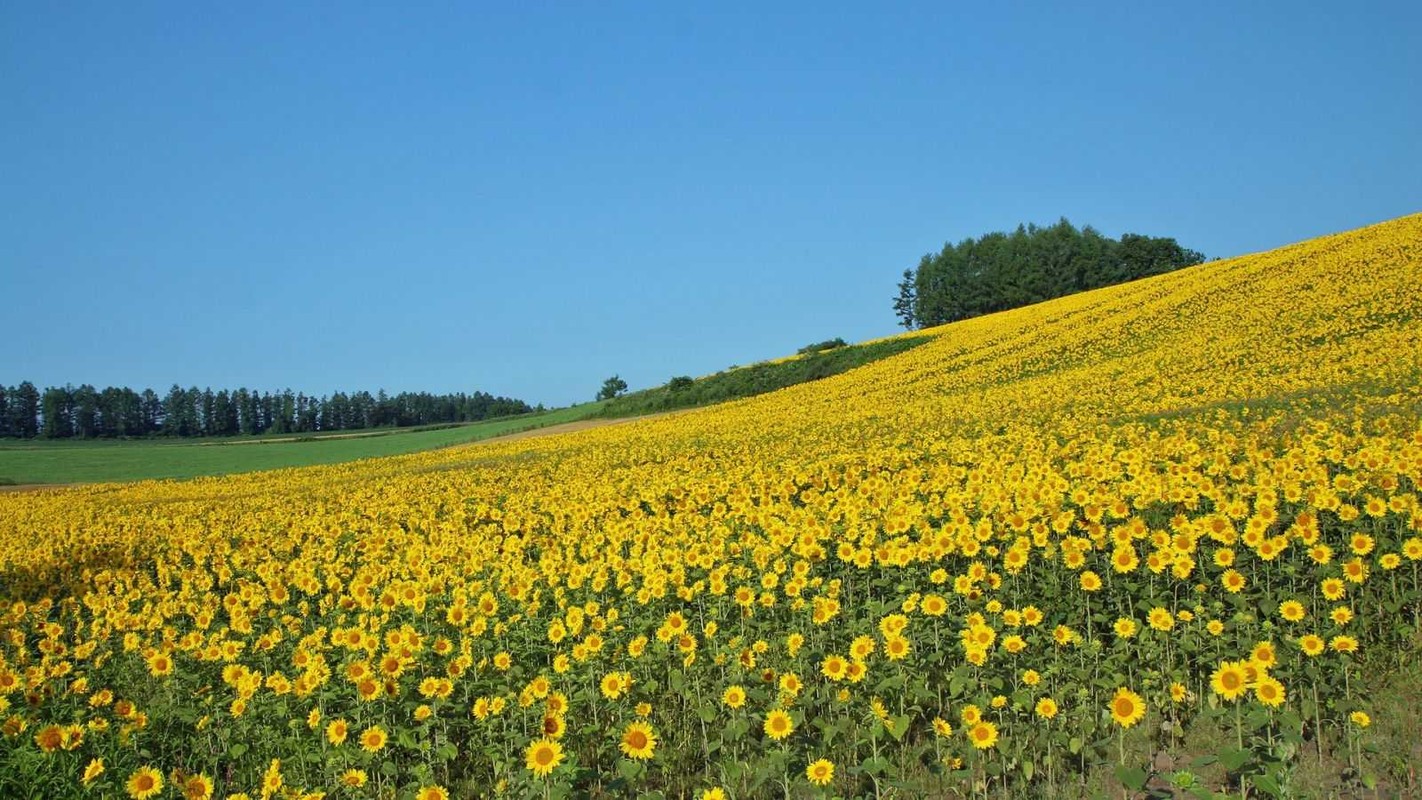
(543, 756)
(1125, 706)
(1230, 681)
(636, 740)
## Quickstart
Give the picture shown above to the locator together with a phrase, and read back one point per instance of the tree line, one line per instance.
(120, 412)
(998, 271)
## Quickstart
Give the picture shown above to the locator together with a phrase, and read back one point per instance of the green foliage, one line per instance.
(999, 271)
(121, 413)
(828, 344)
(612, 387)
(755, 379)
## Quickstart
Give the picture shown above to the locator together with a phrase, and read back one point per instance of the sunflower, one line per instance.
(778, 724)
(983, 735)
(896, 648)
(1269, 691)
(372, 739)
(1311, 644)
(734, 696)
(1127, 707)
(854, 673)
(1161, 619)
(272, 780)
(820, 773)
(1360, 718)
(1355, 571)
(160, 665)
(1046, 708)
(1343, 644)
(1125, 627)
(1263, 654)
(543, 756)
(1291, 610)
(1232, 581)
(432, 793)
(354, 778)
(145, 782)
(638, 740)
(1230, 680)
(94, 770)
(553, 726)
(790, 684)
(49, 738)
(611, 685)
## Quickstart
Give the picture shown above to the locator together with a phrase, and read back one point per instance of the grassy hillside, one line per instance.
(1163, 536)
(755, 379)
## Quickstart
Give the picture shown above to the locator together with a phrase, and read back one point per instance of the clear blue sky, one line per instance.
(526, 198)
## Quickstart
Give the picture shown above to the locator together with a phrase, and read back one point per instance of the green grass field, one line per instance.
(39, 461)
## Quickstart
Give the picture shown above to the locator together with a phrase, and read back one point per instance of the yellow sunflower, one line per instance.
(820, 773)
(543, 756)
(145, 782)
(1127, 707)
(983, 735)
(1269, 691)
(1230, 680)
(778, 725)
(638, 740)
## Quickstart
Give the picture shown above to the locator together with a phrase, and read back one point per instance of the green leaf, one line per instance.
(1266, 784)
(707, 713)
(1027, 770)
(875, 765)
(236, 750)
(900, 727)
(1074, 745)
(1133, 777)
(628, 768)
(1234, 758)
(447, 751)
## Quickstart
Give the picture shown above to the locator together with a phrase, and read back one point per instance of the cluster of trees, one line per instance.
(999, 271)
(85, 412)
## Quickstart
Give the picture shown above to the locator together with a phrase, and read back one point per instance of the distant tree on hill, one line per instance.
(612, 387)
(998, 271)
(906, 300)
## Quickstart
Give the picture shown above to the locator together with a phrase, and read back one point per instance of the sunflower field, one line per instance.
(1047, 545)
